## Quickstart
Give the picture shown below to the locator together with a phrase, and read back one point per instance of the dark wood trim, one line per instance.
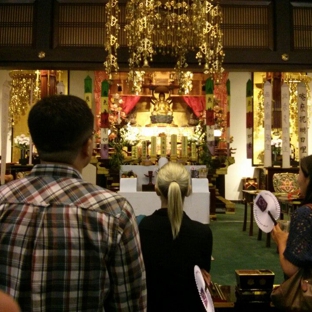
(92, 58)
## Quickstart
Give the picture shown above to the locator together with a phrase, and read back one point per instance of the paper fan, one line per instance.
(264, 203)
(203, 291)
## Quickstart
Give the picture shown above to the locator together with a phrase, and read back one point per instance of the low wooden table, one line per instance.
(223, 296)
(233, 304)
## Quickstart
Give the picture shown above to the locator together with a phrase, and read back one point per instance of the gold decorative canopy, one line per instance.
(170, 28)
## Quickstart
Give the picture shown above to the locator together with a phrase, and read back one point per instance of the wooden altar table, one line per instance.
(141, 172)
(196, 205)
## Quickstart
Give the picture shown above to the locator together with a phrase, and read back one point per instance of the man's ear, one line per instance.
(87, 148)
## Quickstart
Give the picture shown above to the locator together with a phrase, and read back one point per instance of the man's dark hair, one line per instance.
(59, 125)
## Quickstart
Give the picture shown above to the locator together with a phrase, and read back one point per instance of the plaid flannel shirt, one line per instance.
(69, 245)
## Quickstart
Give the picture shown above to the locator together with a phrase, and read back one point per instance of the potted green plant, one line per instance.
(117, 158)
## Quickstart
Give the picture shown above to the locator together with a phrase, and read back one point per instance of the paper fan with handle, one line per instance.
(266, 209)
(203, 291)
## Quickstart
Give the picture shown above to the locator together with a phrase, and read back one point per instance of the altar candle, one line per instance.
(144, 150)
(173, 145)
(134, 152)
(153, 146)
(184, 146)
(193, 151)
(163, 146)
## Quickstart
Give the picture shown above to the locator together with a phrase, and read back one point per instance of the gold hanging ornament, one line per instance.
(169, 28)
(25, 90)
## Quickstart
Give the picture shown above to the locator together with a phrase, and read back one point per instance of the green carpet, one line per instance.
(234, 249)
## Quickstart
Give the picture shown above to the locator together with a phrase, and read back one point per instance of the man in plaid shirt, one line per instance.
(66, 244)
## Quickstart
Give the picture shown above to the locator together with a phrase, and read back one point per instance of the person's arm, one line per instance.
(127, 271)
(280, 238)
(208, 253)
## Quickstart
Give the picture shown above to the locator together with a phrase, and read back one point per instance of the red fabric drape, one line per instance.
(129, 101)
(197, 104)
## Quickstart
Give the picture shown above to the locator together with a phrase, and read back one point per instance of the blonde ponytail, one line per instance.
(175, 208)
(173, 183)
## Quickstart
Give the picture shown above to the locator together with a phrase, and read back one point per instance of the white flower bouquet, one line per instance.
(21, 142)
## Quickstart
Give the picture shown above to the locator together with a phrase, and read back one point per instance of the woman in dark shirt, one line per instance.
(172, 245)
(295, 248)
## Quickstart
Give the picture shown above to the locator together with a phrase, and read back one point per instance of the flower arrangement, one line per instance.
(130, 135)
(116, 115)
(276, 143)
(21, 142)
(199, 134)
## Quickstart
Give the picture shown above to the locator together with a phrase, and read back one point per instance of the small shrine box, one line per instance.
(255, 279)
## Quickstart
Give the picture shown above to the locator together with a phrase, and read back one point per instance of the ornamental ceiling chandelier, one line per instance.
(172, 28)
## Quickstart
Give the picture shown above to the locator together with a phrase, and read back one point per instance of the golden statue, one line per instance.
(161, 109)
(162, 106)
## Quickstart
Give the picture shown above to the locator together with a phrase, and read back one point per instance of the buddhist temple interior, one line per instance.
(212, 113)
(222, 87)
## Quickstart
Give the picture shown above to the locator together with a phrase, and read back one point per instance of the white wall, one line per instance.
(242, 166)
(76, 82)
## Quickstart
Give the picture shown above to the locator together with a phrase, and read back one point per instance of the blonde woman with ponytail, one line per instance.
(172, 245)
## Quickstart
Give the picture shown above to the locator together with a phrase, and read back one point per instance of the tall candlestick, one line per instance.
(174, 145)
(163, 146)
(184, 146)
(144, 150)
(153, 146)
(134, 152)
(193, 151)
